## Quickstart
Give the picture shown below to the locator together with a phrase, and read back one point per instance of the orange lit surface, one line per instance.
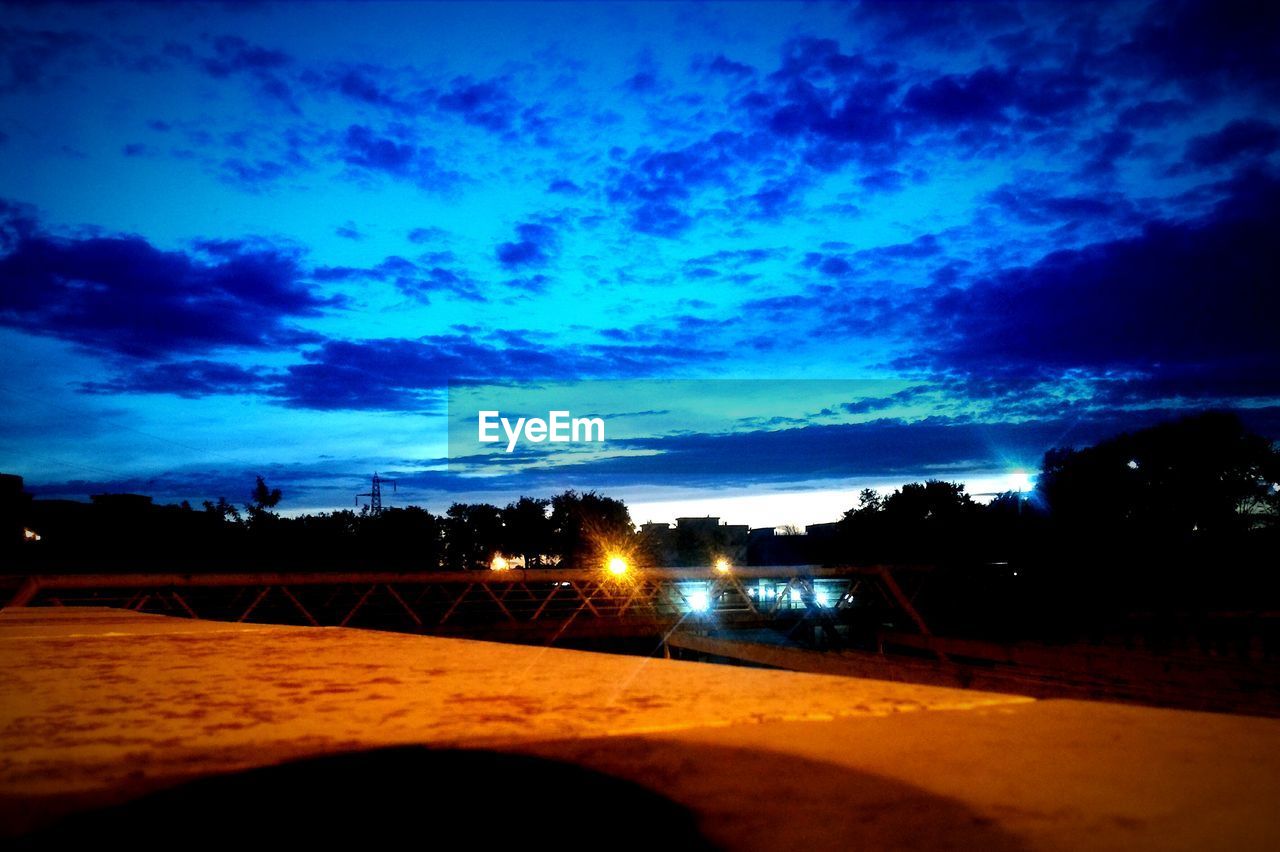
(98, 706)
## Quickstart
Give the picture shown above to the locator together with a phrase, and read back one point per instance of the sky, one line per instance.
(915, 239)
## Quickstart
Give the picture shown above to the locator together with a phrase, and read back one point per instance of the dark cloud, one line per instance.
(400, 157)
(866, 406)
(884, 180)
(939, 447)
(362, 147)
(486, 104)
(360, 83)
(30, 55)
(426, 235)
(775, 199)
(123, 295)
(841, 104)
(1189, 299)
(561, 186)
(926, 245)
(981, 97)
(940, 24)
(735, 258)
(729, 68)
(418, 281)
(1244, 137)
(1148, 115)
(1207, 44)
(233, 55)
(658, 186)
(995, 96)
(254, 175)
(533, 248)
(1040, 206)
(190, 379)
(1103, 151)
(642, 81)
(399, 374)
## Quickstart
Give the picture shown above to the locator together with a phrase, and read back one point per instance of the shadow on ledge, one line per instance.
(588, 794)
(361, 800)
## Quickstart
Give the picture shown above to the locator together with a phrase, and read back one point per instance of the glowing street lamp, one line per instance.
(616, 565)
(499, 564)
(722, 566)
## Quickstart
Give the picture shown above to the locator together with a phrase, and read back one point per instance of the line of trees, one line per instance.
(1195, 489)
(1198, 483)
(129, 533)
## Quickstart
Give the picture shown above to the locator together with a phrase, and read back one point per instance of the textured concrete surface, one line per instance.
(98, 707)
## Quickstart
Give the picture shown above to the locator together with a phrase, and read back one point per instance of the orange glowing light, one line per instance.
(617, 566)
(722, 565)
(499, 564)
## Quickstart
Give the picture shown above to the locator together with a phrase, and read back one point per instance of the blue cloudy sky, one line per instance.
(261, 238)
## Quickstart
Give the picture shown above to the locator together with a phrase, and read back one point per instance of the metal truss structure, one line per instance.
(545, 603)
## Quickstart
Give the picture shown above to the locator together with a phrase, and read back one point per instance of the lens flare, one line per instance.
(722, 565)
(616, 565)
(499, 564)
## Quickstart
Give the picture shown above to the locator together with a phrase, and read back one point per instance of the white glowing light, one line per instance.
(699, 601)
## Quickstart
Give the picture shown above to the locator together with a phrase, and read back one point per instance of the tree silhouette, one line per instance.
(473, 534)
(588, 526)
(1202, 475)
(527, 530)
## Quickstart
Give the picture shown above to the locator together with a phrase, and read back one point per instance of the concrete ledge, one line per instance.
(100, 706)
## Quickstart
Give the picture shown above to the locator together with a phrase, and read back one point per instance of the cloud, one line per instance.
(951, 25)
(399, 374)
(532, 248)
(486, 103)
(941, 447)
(729, 68)
(1207, 44)
(123, 295)
(562, 186)
(1040, 206)
(658, 185)
(1236, 139)
(403, 374)
(1192, 298)
(416, 280)
(1147, 115)
(190, 379)
(368, 152)
(233, 55)
(426, 235)
(360, 83)
(983, 96)
(30, 55)
(841, 104)
(254, 175)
